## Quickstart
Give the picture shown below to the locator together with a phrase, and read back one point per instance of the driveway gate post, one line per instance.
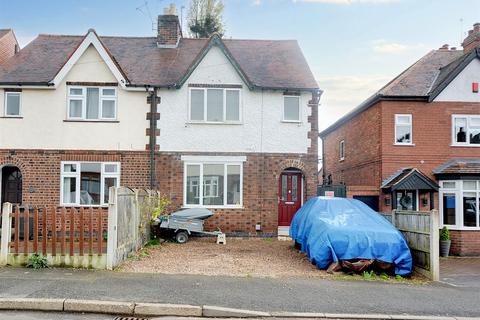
(6, 232)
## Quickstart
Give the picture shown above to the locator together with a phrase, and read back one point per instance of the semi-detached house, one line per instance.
(225, 124)
(414, 145)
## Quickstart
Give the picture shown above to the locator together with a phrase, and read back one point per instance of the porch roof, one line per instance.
(459, 167)
(409, 179)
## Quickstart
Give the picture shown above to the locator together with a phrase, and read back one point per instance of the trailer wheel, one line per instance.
(181, 237)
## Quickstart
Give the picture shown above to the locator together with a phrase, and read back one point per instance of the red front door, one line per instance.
(290, 197)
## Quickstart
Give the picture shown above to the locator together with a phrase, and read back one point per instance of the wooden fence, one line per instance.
(422, 234)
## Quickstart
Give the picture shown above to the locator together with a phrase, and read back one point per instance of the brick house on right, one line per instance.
(415, 144)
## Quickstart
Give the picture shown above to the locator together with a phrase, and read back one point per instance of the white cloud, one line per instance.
(384, 46)
(343, 93)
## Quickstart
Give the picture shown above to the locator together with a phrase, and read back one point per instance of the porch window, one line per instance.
(466, 130)
(291, 108)
(403, 129)
(460, 204)
(92, 103)
(87, 183)
(342, 150)
(216, 105)
(12, 104)
(213, 184)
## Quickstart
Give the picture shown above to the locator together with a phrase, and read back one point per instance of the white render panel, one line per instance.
(460, 89)
(44, 112)
(261, 130)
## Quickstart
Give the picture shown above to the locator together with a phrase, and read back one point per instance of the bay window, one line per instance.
(214, 105)
(88, 183)
(466, 130)
(92, 103)
(213, 184)
(459, 205)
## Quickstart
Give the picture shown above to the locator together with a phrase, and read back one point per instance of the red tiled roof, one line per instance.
(459, 166)
(266, 63)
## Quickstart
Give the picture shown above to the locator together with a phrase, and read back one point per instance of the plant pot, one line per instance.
(445, 247)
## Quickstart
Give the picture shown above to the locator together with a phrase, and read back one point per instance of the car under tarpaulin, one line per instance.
(333, 230)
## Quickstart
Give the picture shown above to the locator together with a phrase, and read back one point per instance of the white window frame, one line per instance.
(468, 119)
(410, 125)
(205, 107)
(83, 98)
(77, 176)
(459, 191)
(201, 183)
(299, 109)
(342, 149)
(9, 93)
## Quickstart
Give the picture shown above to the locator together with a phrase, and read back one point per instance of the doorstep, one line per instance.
(284, 233)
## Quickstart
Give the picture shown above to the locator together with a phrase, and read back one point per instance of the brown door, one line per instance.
(290, 197)
(11, 185)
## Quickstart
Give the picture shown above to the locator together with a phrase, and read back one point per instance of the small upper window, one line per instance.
(403, 129)
(12, 104)
(92, 103)
(342, 150)
(291, 108)
(214, 105)
(466, 130)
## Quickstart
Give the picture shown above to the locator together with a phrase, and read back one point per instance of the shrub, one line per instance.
(37, 261)
(445, 234)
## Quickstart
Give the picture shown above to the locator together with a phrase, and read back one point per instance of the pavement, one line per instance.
(262, 294)
(460, 271)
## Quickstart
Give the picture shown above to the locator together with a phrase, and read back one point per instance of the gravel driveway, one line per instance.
(239, 257)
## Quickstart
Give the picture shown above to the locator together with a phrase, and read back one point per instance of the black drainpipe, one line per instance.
(154, 100)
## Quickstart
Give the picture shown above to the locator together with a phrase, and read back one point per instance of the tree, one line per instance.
(205, 17)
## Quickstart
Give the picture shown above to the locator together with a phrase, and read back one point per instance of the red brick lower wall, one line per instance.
(465, 242)
(261, 174)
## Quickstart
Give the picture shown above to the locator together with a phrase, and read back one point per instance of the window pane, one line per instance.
(405, 201)
(470, 185)
(71, 167)
(284, 187)
(294, 188)
(403, 134)
(475, 135)
(291, 109)
(196, 104)
(193, 183)
(92, 103)
(111, 168)
(76, 91)
(75, 109)
(13, 104)
(214, 105)
(90, 183)
(461, 130)
(233, 184)
(233, 105)
(449, 209)
(449, 185)
(213, 184)
(69, 190)
(469, 210)
(108, 109)
(109, 182)
(403, 119)
(108, 92)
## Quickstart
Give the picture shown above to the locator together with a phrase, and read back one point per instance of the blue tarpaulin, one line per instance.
(333, 229)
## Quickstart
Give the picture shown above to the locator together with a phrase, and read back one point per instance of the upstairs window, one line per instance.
(216, 105)
(291, 108)
(92, 103)
(342, 150)
(12, 104)
(466, 130)
(88, 183)
(403, 129)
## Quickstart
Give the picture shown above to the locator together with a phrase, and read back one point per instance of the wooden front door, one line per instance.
(290, 197)
(11, 185)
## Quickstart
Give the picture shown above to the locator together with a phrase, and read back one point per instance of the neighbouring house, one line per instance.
(8, 44)
(415, 144)
(225, 124)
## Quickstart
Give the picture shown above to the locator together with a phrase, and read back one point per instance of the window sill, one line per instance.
(341, 160)
(214, 207)
(404, 144)
(292, 121)
(93, 121)
(465, 145)
(11, 117)
(458, 228)
(214, 123)
(82, 206)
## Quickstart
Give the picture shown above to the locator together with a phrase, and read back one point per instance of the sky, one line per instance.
(353, 47)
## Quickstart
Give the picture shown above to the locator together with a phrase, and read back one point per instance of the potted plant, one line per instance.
(445, 242)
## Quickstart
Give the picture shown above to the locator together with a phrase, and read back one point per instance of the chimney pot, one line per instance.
(472, 40)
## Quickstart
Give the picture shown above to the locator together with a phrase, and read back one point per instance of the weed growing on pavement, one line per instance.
(369, 275)
(37, 261)
(152, 243)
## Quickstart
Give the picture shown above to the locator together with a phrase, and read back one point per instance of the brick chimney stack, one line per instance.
(169, 29)
(472, 41)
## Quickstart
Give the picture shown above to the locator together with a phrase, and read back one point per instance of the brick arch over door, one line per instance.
(9, 161)
(289, 164)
